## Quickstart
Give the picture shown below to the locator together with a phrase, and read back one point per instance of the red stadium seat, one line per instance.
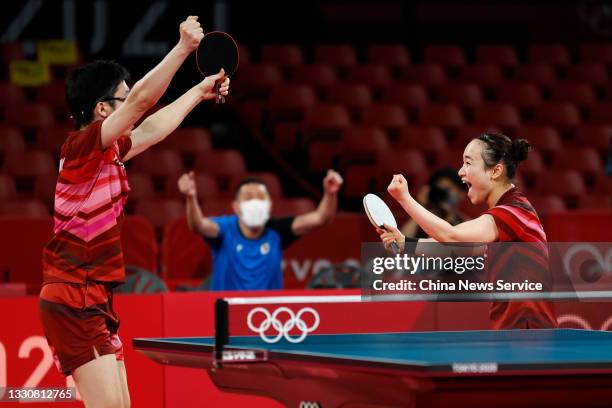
(496, 54)
(600, 201)
(554, 54)
(217, 207)
(271, 181)
(385, 116)
(30, 164)
(596, 52)
(559, 114)
(12, 95)
(441, 115)
(487, 75)
(139, 243)
(359, 179)
(429, 140)
(187, 140)
(287, 136)
(545, 204)
(531, 168)
(11, 140)
(8, 191)
(161, 211)
(601, 113)
(410, 163)
(589, 72)
(539, 74)
(376, 76)
(252, 112)
(222, 164)
(424, 74)
(465, 95)
(566, 183)
(522, 95)
(447, 55)
(53, 95)
(292, 206)
(581, 94)
(584, 160)
(363, 144)
(544, 139)
(326, 121)
(323, 155)
(185, 256)
(256, 80)
(598, 137)
(44, 189)
(52, 138)
(353, 96)
(394, 55)
(602, 184)
(24, 208)
(498, 114)
(141, 186)
(319, 76)
(159, 163)
(31, 116)
(288, 102)
(407, 95)
(285, 55)
(342, 55)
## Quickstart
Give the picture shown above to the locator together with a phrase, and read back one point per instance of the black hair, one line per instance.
(248, 180)
(90, 84)
(501, 149)
(446, 173)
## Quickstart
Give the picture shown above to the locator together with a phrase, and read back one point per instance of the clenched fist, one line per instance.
(332, 182)
(191, 33)
(187, 184)
(398, 188)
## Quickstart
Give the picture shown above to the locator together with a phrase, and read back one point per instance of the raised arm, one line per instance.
(195, 220)
(325, 212)
(481, 229)
(157, 126)
(147, 91)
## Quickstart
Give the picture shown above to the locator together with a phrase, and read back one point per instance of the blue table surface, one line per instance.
(512, 347)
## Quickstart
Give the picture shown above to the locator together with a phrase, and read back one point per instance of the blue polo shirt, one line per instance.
(240, 263)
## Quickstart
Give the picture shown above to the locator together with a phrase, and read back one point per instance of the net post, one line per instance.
(221, 327)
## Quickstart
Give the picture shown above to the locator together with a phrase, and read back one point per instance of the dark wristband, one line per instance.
(410, 245)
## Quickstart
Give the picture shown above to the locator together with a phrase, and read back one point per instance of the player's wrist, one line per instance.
(182, 49)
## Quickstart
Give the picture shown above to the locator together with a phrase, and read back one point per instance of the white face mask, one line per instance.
(255, 213)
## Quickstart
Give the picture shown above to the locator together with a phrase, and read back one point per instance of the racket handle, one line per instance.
(220, 99)
(395, 248)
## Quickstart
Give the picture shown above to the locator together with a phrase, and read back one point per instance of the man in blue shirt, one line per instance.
(247, 246)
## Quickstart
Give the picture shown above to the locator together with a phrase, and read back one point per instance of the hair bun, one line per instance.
(519, 150)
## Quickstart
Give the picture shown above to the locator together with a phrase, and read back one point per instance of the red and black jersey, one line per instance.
(517, 221)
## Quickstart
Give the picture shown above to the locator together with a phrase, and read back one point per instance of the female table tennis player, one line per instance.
(489, 164)
(84, 259)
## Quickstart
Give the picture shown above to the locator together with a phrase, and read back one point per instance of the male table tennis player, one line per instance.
(489, 164)
(84, 259)
(247, 246)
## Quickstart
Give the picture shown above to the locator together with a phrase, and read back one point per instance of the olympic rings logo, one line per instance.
(581, 322)
(283, 329)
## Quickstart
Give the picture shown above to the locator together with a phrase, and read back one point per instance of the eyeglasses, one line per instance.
(112, 99)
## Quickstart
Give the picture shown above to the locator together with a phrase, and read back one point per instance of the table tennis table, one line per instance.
(518, 368)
